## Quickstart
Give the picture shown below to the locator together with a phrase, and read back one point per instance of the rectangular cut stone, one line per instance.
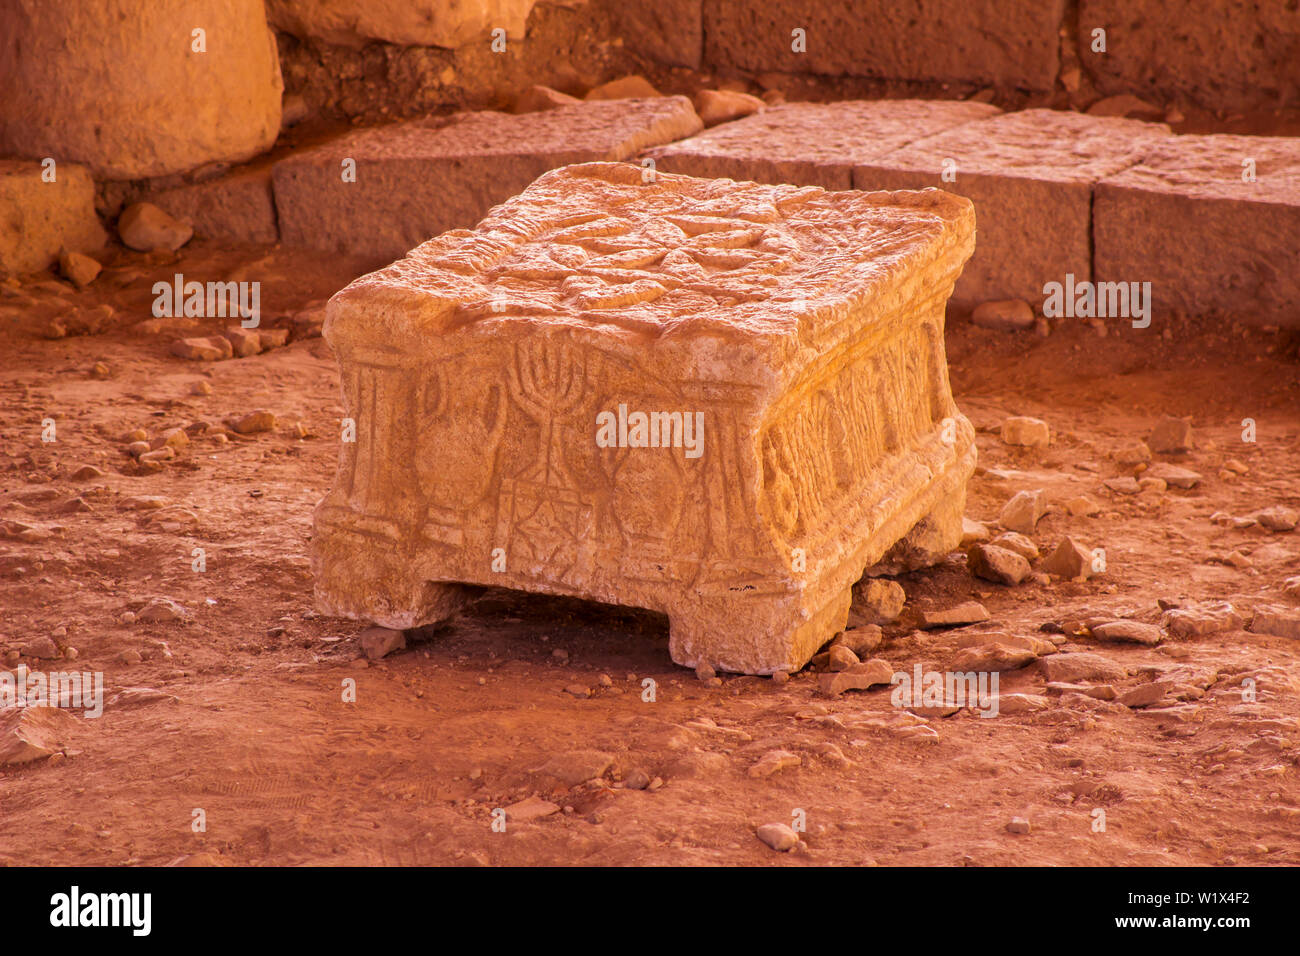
(238, 207)
(38, 218)
(1005, 43)
(670, 31)
(522, 394)
(812, 144)
(1220, 54)
(1187, 221)
(1030, 175)
(418, 179)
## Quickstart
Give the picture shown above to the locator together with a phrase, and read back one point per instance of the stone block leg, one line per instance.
(755, 635)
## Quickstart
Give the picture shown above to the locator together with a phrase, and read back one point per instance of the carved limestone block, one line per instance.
(718, 400)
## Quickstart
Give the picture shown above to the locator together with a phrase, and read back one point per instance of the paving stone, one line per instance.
(116, 85)
(1014, 167)
(39, 218)
(528, 340)
(1207, 241)
(812, 144)
(1000, 43)
(418, 179)
(239, 207)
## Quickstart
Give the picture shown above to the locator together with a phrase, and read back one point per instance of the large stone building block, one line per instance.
(38, 218)
(1006, 43)
(1212, 222)
(812, 144)
(670, 31)
(118, 84)
(237, 207)
(415, 180)
(444, 23)
(716, 400)
(1030, 175)
(1220, 54)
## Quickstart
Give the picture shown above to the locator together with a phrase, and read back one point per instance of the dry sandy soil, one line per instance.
(249, 722)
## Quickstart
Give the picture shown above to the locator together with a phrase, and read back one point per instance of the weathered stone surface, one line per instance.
(670, 31)
(403, 22)
(1278, 518)
(1181, 52)
(537, 99)
(970, 612)
(1279, 621)
(238, 207)
(1021, 545)
(39, 218)
(1128, 632)
(1173, 475)
(1004, 43)
(812, 144)
(878, 601)
(723, 106)
(1144, 695)
(624, 88)
(488, 373)
(32, 733)
(118, 85)
(1170, 435)
(1004, 315)
(145, 227)
(1069, 560)
(861, 676)
(991, 657)
(996, 564)
(379, 642)
(1073, 668)
(1029, 432)
(861, 640)
(1202, 619)
(1023, 511)
(1185, 221)
(1013, 167)
(419, 179)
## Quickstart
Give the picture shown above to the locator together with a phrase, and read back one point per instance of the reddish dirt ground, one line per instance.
(251, 726)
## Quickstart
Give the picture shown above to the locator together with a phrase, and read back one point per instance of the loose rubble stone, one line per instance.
(562, 342)
(1200, 620)
(1278, 518)
(355, 23)
(991, 658)
(861, 640)
(969, 612)
(778, 836)
(973, 532)
(579, 766)
(1279, 621)
(1128, 632)
(144, 226)
(1023, 511)
(1021, 545)
(116, 85)
(418, 179)
(1022, 703)
(858, 677)
(997, 564)
(624, 88)
(43, 648)
(162, 611)
(1012, 167)
(1171, 435)
(40, 218)
(1126, 485)
(379, 642)
(811, 144)
(244, 342)
(539, 98)
(1029, 432)
(79, 269)
(1137, 454)
(1073, 668)
(1070, 560)
(1291, 586)
(1096, 691)
(841, 658)
(774, 761)
(255, 423)
(723, 106)
(1185, 220)
(1004, 315)
(28, 734)
(878, 601)
(1144, 695)
(1018, 825)
(534, 808)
